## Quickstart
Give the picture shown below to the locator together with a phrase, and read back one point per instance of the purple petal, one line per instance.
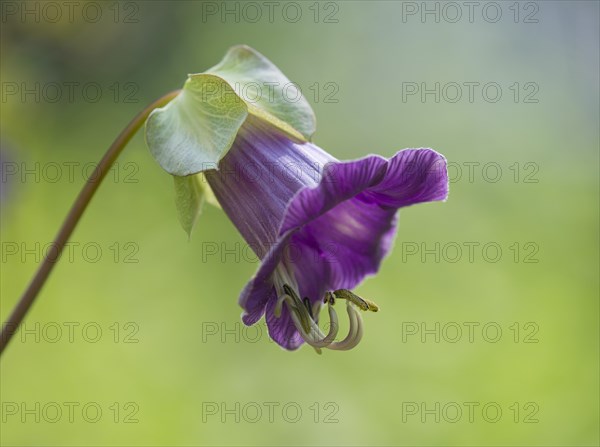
(260, 288)
(341, 181)
(413, 176)
(304, 257)
(282, 329)
(349, 218)
(353, 237)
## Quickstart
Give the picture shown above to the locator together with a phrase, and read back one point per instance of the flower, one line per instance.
(318, 225)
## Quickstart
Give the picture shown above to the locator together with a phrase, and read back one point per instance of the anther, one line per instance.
(361, 303)
(306, 302)
(329, 298)
(305, 317)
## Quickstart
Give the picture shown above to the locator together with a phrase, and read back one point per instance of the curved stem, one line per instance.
(81, 203)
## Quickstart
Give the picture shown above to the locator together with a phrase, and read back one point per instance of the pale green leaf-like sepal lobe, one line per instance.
(191, 192)
(260, 83)
(195, 130)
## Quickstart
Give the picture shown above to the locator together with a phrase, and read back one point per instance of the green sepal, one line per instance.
(191, 192)
(261, 84)
(195, 130)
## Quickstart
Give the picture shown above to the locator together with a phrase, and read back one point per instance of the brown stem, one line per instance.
(81, 203)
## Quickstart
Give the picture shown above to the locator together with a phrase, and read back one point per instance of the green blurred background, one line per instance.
(173, 364)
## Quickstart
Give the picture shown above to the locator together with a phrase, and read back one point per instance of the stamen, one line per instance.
(305, 315)
(354, 334)
(306, 302)
(315, 337)
(305, 318)
(329, 298)
(363, 304)
(279, 304)
(316, 310)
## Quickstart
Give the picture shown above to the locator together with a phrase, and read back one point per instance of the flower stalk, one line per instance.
(83, 199)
